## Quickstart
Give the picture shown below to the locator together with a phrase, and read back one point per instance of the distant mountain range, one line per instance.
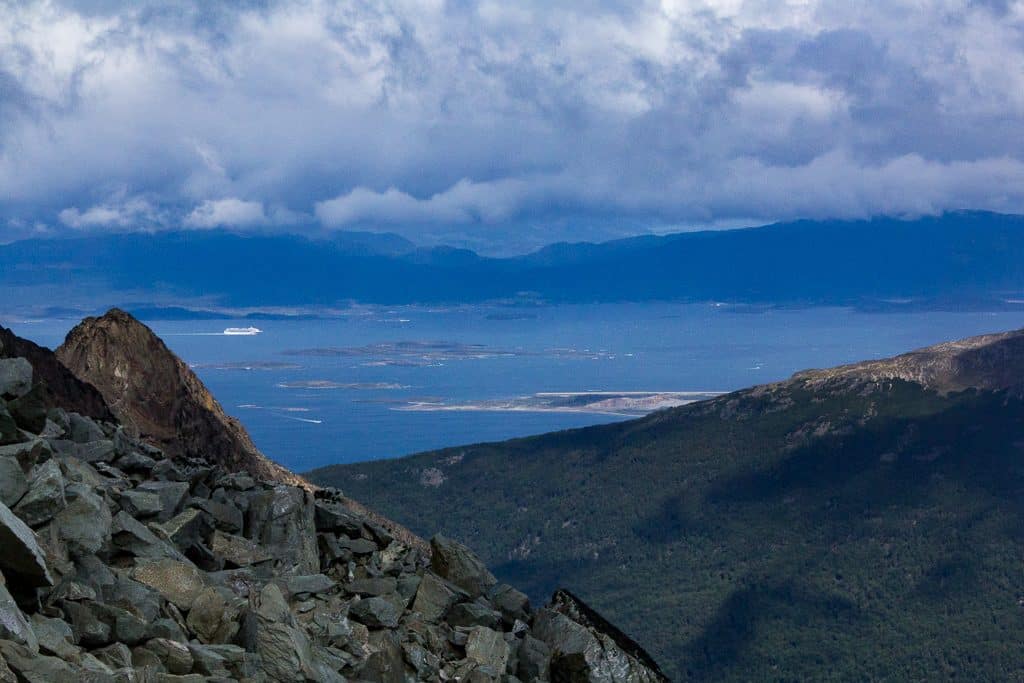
(858, 523)
(959, 259)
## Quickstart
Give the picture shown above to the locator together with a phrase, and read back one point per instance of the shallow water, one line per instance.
(335, 406)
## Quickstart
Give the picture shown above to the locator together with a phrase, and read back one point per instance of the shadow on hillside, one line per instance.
(745, 613)
(975, 440)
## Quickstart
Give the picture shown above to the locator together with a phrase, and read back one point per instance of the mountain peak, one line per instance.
(158, 397)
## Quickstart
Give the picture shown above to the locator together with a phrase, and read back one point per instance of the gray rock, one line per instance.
(29, 411)
(89, 630)
(13, 482)
(140, 503)
(21, 556)
(226, 517)
(302, 587)
(13, 624)
(32, 667)
(178, 582)
(534, 659)
(83, 429)
(45, 497)
(237, 551)
(55, 637)
(116, 656)
(125, 627)
(456, 563)
(9, 431)
(281, 520)
(473, 614)
(101, 450)
(357, 546)
(386, 663)
(15, 377)
(207, 662)
(174, 658)
(372, 587)
(433, 597)
(136, 463)
(375, 613)
(84, 524)
(512, 604)
(333, 517)
(212, 619)
(171, 493)
(187, 528)
(487, 648)
(27, 453)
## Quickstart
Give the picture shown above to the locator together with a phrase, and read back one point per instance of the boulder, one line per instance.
(375, 613)
(512, 604)
(32, 667)
(179, 582)
(473, 614)
(212, 619)
(13, 624)
(237, 551)
(534, 659)
(15, 377)
(281, 520)
(84, 525)
(29, 411)
(457, 563)
(433, 597)
(487, 648)
(45, 497)
(83, 429)
(140, 503)
(13, 482)
(9, 432)
(22, 557)
(55, 637)
(171, 493)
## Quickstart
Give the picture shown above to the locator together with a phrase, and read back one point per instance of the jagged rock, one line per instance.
(236, 550)
(45, 497)
(9, 432)
(226, 517)
(534, 658)
(375, 613)
(211, 618)
(282, 521)
(83, 429)
(21, 554)
(372, 587)
(84, 524)
(116, 656)
(357, 546)
(473, 614)
(512, 604)
(13, 482)
(179, 582)
(32, 667)
(171, 493)
(433, 597)
(15, 377)
(27, 453)
(332, 517)
(302, 587)
(29, 410)
(89, 630)
(457, 563)
(13, 624)
(55, 637)
(125, 627)
(187, 528)
(101, 450)
(386, 663)
(170, 656)
(487, 648)
(141, 503)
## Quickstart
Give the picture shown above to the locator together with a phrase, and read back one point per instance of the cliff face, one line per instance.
(120, 564)
(157, 397)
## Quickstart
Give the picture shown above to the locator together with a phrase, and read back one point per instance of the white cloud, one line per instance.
(230, 212)
(134, 213)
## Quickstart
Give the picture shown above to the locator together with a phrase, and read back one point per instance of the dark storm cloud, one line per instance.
(504, 125)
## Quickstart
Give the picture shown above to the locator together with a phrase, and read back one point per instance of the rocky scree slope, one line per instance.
(121, 564)
(859, 523)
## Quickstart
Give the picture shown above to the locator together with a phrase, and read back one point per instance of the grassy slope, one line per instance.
(848, 532)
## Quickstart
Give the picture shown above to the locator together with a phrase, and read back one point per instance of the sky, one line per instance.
(504, 125)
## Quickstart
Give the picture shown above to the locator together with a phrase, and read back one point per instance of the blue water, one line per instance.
(628, 347)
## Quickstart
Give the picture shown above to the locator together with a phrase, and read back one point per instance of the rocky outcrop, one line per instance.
(120, 563)
(157, 397)
(991, 362)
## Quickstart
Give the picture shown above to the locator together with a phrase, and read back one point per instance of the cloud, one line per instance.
(506, 124)
(134, 213)
(230, 212)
